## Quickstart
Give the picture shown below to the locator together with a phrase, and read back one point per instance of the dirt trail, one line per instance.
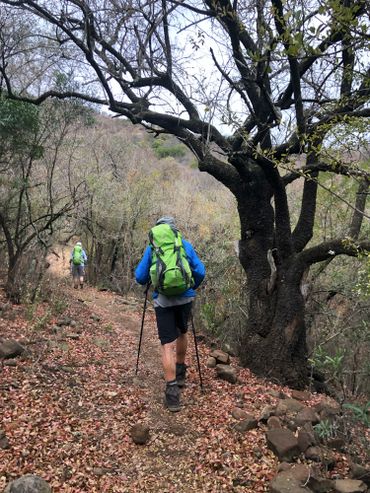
(125, 315)
(70, 414)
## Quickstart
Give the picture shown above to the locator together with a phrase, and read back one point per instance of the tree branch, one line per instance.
(8, 237)
(282, 215)
(333, 248)
(358, 213)
(335, 35)
(303, 231)
(338, 169)
(295, 73)
(222, 171)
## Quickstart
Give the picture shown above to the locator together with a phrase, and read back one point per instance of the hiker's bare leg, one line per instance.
(168, 361)
(75, 281)
(81, 281)
(181, 347)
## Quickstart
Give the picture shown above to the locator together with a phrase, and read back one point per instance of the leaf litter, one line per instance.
(71, 403)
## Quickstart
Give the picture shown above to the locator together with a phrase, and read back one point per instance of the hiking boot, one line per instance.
(172, 398)
(180, 374)
(81, 286)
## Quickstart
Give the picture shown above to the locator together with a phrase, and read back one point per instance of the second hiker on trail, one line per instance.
(174, 269)
(77, 262)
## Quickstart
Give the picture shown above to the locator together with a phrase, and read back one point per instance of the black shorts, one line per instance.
(172, 321)
(78, 270)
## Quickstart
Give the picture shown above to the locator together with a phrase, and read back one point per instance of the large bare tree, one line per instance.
(246, 85)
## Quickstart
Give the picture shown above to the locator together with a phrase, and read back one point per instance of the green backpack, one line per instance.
(170, 271)
(77, 255)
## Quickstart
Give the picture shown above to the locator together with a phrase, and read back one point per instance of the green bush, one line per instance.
(361, 413)
(325, 429)
(162, 150)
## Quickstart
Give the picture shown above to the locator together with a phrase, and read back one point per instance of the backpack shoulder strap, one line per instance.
(155, 247)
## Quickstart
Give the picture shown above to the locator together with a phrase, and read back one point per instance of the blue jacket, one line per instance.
(142, 270)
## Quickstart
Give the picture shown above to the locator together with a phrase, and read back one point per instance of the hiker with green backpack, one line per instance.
(171, 264)
(77, 262)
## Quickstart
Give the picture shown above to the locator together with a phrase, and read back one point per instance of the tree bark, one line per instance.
(274, 339)
(12, 288)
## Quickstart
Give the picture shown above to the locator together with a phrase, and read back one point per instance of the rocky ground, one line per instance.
(76, 417)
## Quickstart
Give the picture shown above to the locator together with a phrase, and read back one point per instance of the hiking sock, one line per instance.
(181, 374)
(172, 396)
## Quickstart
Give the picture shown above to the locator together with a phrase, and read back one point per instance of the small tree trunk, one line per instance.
(12, 287)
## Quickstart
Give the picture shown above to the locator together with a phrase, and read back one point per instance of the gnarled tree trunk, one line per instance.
(274, 340)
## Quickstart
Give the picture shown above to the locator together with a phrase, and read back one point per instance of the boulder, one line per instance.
(72, 336)
(336, 443)
(64, 321)
(226, 372)
(238, 413)
(281, 409)
(349, 486)
(4, 443)
(276, 393)
(140, 433)
(10, 362)
(284, 466)
(220, 356)
(320, 485)
(247, 424)
(301, 395)
(299, 478)
(4, 307)
(291, 425)
(327, 408)
(266, 412)
(283, 443)
(293, 405)
(273, 423)
(291, 480)
(314, 453)
(211, 362)
(29, 483)
(9, 348)
(100, 471)
(307, 415)
(226, 348)
(306, 438)
(360, 472)
(56, 329)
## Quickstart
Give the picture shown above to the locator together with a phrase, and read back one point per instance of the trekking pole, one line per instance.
(142, 327)
(196, 352)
